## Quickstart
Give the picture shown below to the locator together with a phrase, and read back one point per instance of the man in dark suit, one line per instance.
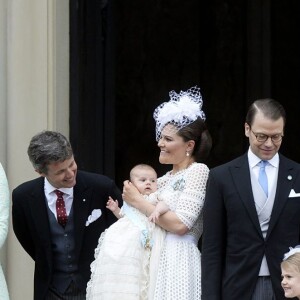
(60, 229)
(249, 225)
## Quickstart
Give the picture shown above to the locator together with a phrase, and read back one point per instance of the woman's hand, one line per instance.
(130, 193)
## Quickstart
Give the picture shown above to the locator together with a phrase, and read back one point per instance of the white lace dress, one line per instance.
(4, 217)
(179, 270)
(123, 259)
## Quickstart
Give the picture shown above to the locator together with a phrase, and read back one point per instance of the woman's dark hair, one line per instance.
(198, 132)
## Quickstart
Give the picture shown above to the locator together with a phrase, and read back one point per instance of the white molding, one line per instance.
(37, 93)
(51, 59)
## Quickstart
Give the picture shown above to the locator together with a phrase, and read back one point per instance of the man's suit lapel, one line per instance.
(38, 207)
(81, 203)
(286, 177)
(241, 178)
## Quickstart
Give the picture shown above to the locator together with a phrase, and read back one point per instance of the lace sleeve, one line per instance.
(191, 199)
(4, 206)
(153, 198)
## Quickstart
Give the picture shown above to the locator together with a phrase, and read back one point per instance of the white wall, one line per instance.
(34, 95)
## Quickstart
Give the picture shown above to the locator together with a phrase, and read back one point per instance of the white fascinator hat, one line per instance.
(181, 110)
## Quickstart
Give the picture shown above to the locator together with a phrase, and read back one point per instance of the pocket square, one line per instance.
(96, 214)
(293, 194)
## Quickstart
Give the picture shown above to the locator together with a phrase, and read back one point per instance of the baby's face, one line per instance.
(290, 281)
(145, 181)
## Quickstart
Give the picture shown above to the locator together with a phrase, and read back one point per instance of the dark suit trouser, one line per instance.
(72, 293)
(263, 289)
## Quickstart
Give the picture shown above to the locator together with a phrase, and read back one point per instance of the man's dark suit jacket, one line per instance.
(233, 244)
(31, 224)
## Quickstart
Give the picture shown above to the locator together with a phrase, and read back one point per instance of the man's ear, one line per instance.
(247, 130)
(40, 173)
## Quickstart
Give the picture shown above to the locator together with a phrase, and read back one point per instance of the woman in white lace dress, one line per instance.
(184, 141)
(4, 216)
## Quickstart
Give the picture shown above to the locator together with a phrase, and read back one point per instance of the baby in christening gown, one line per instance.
(128, 251)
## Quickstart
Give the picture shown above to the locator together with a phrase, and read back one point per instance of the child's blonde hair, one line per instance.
(292, 258)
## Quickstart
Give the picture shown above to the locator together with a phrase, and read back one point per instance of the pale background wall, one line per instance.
(34, 95)
(3, 107)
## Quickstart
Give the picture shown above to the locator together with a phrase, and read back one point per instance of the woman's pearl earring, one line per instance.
(187, 154)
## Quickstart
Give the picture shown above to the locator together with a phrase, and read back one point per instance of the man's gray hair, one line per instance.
(47, 147)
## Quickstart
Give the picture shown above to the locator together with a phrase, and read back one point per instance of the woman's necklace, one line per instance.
(173, 172)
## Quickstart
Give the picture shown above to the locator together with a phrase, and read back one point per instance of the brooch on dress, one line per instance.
(179, 185)
(146, 240)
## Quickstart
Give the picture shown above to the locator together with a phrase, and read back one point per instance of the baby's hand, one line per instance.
(159, 210)
(154, 216)
(112, 204)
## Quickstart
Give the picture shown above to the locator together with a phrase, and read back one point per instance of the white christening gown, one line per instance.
(126, 257)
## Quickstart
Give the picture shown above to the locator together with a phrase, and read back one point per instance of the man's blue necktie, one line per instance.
(262, 177)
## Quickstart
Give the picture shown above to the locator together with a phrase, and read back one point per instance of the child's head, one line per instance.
(290, 273)
(144, 178)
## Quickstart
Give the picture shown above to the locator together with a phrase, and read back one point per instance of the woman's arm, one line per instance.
(169, 221)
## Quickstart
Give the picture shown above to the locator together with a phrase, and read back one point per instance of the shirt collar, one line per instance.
(254, 160)
(49, 188)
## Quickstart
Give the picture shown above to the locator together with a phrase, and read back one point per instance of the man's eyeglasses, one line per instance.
(261, 138)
